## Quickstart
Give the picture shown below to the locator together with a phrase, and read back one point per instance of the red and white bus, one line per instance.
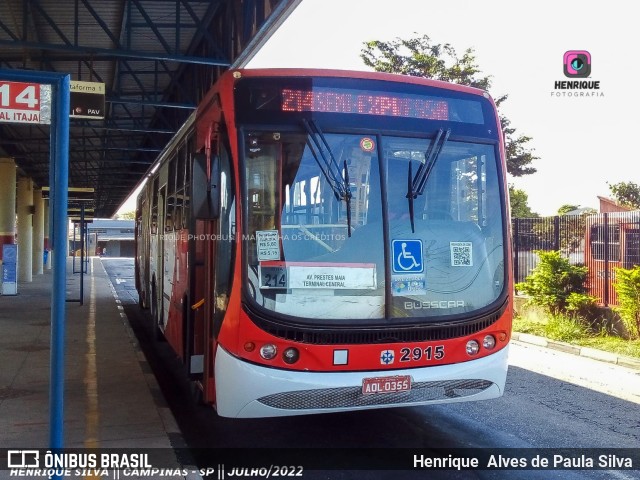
(320, 241)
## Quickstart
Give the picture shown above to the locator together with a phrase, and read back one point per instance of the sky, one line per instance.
(583, 142)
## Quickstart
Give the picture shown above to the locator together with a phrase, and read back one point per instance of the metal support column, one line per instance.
(59, 165)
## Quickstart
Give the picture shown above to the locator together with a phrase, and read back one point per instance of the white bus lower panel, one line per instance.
(247, 390)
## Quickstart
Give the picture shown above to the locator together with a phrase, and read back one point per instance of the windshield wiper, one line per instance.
(338, 181)
(415, 185)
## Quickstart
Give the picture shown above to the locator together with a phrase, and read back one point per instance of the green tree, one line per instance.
(626, 193)
(519, 204)
(556, 285)
(566, 208)
(627, 286)
(419, 57)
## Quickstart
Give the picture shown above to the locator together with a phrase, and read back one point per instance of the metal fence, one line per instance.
(602, 242)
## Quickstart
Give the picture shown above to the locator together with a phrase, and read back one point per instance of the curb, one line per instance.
(169, 422)
(587, 352)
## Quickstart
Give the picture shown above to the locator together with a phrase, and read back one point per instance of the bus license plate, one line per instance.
(374, 385)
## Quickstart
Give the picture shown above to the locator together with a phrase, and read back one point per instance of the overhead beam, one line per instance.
(109, 54)
(151, 103)
(126, 129)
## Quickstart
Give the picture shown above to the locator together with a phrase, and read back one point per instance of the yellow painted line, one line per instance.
(92, 413)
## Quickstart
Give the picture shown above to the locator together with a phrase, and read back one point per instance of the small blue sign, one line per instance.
(9, 274)
(9, 269)
(407, 256)
(10, 253)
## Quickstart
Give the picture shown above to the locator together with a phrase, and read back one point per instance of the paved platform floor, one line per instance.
(111, 398)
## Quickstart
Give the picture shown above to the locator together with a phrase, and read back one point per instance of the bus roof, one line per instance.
(365, 75)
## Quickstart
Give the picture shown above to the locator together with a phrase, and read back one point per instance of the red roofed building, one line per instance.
(607, 205)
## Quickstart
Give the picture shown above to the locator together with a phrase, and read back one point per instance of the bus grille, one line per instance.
(327, 335)
(342, 397)
(386, 335)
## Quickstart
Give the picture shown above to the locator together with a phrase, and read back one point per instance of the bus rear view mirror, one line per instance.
(205, 191)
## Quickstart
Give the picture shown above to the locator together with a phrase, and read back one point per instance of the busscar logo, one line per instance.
(577, 64)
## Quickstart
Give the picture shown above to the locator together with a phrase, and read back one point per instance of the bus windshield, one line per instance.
(316, 252)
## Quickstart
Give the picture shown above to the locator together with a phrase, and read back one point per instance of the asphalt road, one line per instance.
(553, 400)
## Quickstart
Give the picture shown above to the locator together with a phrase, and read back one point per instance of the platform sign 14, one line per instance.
(22, 102)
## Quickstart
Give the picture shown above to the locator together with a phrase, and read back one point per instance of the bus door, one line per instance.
(220, 255)
(205, 202)
(162, 193)
(194, 331)
(146, 253)
(208, 338)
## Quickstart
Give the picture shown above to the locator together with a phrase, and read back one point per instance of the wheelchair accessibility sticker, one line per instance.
(407, 256)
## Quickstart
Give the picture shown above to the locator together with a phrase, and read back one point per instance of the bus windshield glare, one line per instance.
(315, 254)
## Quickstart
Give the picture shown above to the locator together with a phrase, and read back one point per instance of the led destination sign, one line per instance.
(285, 99)
(369, 102)
(365, 103)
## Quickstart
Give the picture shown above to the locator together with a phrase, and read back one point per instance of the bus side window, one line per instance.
(177, 215)
(170, 205)
(185, 155)
(168, 218)
(154, 207)
(225, 247)
(186, 201)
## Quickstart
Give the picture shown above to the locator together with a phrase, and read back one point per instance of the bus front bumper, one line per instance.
(246, 390)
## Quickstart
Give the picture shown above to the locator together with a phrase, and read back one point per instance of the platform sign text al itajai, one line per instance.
(22, 102)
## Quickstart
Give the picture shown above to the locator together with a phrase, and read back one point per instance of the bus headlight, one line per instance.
(268, 351)
(489, 342)
(473, 347)
(290, 355)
